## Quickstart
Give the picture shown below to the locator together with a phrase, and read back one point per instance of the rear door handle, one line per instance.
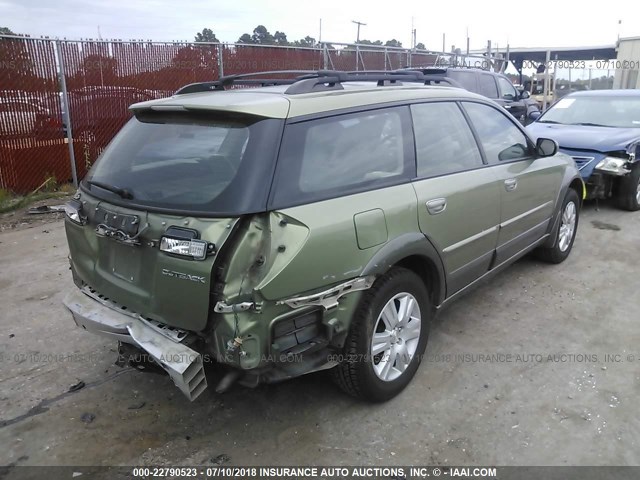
(436, 206)
(510, 184)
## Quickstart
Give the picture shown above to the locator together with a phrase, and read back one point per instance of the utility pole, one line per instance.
(413, 35)
(358, 34)
(467, 41)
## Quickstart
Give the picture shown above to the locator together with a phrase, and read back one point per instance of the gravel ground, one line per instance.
(535, 388)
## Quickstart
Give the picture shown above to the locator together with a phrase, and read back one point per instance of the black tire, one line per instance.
(559, 252)
(627, 192)
(356, 375)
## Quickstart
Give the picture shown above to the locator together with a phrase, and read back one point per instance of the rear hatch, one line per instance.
(182, 177)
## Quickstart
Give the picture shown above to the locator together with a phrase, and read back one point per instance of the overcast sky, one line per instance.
(521, 24)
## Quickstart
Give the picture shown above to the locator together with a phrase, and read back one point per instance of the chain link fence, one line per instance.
(61, 101)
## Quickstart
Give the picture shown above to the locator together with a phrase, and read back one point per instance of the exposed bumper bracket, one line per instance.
(184, 365)
(222, 307)
(329, 298)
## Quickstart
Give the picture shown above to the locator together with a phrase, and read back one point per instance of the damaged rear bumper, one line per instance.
(184, 365)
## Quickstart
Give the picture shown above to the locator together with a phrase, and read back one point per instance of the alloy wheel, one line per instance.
(567, 227)
(395, 336)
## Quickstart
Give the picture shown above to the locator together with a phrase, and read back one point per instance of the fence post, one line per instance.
(357, 56)
(325, 57)
(67, 113)
(546, 84)
(220, 61)
(555, 77)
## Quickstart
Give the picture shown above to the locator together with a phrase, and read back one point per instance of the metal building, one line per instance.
(627, 63)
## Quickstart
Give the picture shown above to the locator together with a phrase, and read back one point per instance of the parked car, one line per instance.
(565, 89)
(491, 85)
(600, 129)
(536, 88)
(316, 225)
(98, 113)
(21, 118)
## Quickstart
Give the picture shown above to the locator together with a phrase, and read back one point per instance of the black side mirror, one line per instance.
(524, 95)
(545, 147)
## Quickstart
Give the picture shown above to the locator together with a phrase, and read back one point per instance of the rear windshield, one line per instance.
(192, 163)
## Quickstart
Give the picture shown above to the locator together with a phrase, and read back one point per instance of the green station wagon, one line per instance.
(307, 224)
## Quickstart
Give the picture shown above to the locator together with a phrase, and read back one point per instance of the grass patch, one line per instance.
(49, 189)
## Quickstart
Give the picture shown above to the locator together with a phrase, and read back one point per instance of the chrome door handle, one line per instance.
(510, 184)
(436, 206)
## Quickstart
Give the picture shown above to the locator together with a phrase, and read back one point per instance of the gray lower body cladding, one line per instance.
(184, 365)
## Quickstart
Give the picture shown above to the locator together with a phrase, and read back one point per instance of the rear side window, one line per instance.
(466, 79)
(344, 154)
(444, 142)
(507, 90)
(487, 86)
(501, 139)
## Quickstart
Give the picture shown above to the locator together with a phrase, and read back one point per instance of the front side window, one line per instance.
(501, 139)
(340, 155)
(444, 142)
(487, 86)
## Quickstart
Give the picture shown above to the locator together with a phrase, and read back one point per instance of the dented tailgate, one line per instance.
(164, 287)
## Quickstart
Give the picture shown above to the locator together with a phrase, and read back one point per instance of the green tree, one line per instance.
(245, 38)
(305, 42)
(16, 67)
(420, 46)
(206, 35)
(393, 43)
(280, 38)
(369, 42)
(261, 36)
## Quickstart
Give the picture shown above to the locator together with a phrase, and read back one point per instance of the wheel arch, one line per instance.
(578, 185)
(574, 183)
(415, 252)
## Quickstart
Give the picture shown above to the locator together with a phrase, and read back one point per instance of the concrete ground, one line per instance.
(543, 393)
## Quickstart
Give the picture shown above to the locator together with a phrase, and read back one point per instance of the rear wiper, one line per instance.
(549, 121)
(122, 192)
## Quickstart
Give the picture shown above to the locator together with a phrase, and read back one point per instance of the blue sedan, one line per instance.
(600, 129)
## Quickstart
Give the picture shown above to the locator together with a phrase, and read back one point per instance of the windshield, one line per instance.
(606, 111)
(187, 162)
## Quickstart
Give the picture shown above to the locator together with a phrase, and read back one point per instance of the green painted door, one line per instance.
(528, 185)
(458, 196)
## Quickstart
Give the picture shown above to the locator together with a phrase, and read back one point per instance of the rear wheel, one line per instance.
(387, 339)
(628, 195)
(566, 232)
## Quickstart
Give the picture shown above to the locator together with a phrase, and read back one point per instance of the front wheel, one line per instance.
(628, 195)
(566, 231)
(387, 338)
